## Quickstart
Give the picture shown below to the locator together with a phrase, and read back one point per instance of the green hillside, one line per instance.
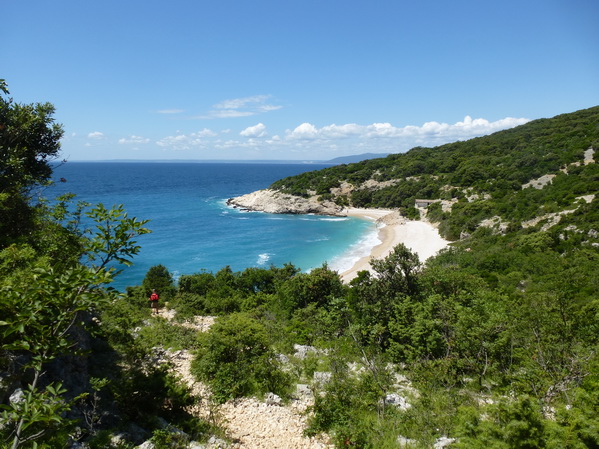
(485, 176)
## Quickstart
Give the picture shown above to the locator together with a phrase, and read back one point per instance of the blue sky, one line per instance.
(192, 79)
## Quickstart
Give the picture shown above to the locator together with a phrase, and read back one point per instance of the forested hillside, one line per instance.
(481, 178)
(492, 344)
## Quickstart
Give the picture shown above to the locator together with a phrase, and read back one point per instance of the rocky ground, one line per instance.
(275, 202)
(249, 423)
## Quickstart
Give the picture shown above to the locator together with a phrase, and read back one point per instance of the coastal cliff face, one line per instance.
(275, 202)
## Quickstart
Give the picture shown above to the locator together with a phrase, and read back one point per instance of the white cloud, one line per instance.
(342, 131)
(179, 142)
(258, 130)
(465, 129)
(170, 111)
(96, 135)
(187, 141)
(384, 130)
(228, 113)
(304, 131)
(268, 107)
(134, 140)
(205, 133)
(238, 103)
(241, 107)
(308, 141)
(431, 132)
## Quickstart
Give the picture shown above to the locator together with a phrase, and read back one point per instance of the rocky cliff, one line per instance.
(275, 202)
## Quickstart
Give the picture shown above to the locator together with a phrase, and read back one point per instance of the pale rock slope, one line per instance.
(275, 202)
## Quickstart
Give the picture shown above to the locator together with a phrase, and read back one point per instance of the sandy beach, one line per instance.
(421, 237)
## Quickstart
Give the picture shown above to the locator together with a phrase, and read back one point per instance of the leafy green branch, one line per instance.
(43, 304)
(113, 237)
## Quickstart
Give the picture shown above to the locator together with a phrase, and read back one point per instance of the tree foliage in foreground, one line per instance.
(29, 139)
(47, 296)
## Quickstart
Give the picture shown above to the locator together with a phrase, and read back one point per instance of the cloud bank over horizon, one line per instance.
(305, 141)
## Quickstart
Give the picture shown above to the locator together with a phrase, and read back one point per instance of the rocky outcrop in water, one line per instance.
(275, 202)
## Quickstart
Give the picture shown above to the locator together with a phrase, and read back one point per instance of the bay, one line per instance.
(192, 227)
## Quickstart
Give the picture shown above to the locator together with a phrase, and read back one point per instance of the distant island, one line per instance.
(335, 161)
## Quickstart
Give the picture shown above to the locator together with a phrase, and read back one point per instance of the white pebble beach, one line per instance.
(419, 236)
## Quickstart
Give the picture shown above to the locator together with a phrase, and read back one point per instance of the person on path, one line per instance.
(154, 301)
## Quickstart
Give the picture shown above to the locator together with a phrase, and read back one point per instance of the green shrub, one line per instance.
(320, 287)
(188, 304)
(146, 392)
(164, 334)
(351, 410)
(165, 439)
(510, 424)
(236, 360)
(199, 283)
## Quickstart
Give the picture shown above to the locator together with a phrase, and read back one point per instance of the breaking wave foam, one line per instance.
(263, 258)
(361, 248)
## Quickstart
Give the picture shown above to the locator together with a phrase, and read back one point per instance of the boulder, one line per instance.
(302, 351)
(273, 399)
(396, 400)
(443, 442)
(405, 443)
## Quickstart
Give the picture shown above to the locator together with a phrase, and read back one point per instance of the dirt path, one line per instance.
(249, 423)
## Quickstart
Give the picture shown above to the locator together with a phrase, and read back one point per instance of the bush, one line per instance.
(188, 305)
(236, 360)
(510, 424)
(320, 287)
(199, 284)
(161, 333)
(145, 392)
(351, 409)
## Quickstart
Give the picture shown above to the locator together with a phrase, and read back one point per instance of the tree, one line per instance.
(160, 279)
(320, 287)
(41, 308)
(29, 141)
(47, 296)
(42, 305)
(399, 271)
(373, 299)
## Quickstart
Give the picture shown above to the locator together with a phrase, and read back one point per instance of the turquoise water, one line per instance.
(192, 227)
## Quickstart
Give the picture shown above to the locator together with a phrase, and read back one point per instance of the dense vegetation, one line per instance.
(57, 260)
(493, 343)
(497, 349)
(491, 169)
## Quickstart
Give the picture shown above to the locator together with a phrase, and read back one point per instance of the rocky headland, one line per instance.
(276, 202)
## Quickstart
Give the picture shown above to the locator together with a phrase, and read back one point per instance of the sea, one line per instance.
(194, 230)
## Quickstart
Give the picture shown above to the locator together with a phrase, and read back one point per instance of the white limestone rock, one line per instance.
(275, 202)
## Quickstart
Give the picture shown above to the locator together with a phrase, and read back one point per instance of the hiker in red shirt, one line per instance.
(154, 301)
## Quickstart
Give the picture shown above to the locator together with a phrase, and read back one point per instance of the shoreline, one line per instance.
(419, 236)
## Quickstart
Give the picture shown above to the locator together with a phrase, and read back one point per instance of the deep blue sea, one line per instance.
(192, 227)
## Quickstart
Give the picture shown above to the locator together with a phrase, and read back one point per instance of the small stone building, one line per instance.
(425, 203)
